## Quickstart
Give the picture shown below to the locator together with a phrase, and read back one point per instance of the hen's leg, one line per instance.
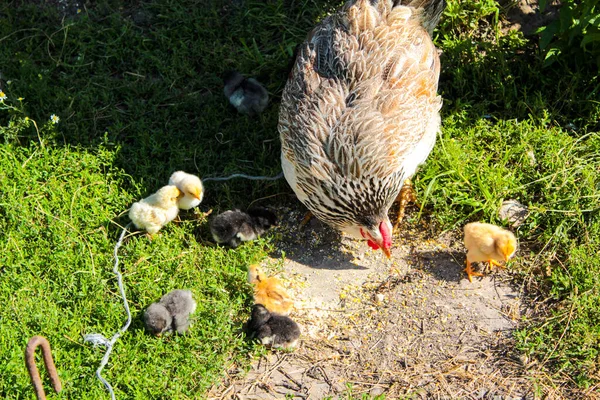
(306, 219)
(406, 195)
(470, 272)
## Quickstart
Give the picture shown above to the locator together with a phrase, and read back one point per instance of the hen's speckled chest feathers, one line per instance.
(360, 111)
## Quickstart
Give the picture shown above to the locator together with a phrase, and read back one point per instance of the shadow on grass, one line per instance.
(143, 80)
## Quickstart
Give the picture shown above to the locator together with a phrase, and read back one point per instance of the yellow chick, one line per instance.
(191, 186)
(269, 291)
(155, 211)
(487, 242)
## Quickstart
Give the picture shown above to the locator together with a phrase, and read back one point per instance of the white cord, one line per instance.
(98, 339)
(252, 178)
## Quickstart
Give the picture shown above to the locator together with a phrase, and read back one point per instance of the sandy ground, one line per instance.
(409, 326)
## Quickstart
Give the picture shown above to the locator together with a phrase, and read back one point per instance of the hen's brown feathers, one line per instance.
(361, 106)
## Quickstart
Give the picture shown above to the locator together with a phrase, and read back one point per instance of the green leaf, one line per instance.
(589, 38)
(551, 56)
(547, 34)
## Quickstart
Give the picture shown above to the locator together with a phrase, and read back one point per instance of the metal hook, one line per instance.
(33, 343)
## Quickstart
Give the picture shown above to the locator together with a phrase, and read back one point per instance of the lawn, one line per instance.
(137, 90)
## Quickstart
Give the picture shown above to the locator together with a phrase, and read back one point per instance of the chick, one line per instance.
(247, 95)
(171, 313)
(158, 319)
(234, 226)
(192, 189)
(272, 329)
(487, 242)
(269, 291)
(155, 211)
(180, 304)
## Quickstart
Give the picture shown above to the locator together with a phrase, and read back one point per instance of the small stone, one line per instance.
(513, 212)
(379, 297)
(531, 156)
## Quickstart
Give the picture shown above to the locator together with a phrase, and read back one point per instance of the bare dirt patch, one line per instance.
(526, 15)
(410, 326)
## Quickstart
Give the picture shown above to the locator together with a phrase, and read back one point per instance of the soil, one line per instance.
(413, 325)
(526, 15)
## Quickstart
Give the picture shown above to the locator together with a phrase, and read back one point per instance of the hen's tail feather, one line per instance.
(432, 11)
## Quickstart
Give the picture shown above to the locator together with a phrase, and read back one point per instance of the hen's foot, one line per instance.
(307, 217)
(407, 195)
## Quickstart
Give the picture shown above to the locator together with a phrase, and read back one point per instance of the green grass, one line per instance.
(57, 237)
(515, 130)
(137, 88)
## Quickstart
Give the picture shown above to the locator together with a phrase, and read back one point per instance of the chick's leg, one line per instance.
(406, 195)
(493, 262)
(470, 272)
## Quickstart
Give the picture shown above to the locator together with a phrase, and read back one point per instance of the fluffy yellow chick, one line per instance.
(191, 186)
(269, 292)
(155, 211)
(487, 242)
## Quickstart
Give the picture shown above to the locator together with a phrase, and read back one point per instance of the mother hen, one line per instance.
(360, 112)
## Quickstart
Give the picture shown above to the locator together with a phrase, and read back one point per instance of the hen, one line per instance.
(360, 113)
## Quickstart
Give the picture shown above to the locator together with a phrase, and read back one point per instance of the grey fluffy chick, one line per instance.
(171, 313)
(273, 329)
(247, 95)
(234, 226)
(158, 319)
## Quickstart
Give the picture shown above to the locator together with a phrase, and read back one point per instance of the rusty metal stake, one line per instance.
(33, 343)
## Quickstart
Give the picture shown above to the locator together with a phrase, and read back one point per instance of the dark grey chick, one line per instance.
(273, 329)
(247, 95)
(234, 226)
(262, 218)
(158, 319)
(180, 305)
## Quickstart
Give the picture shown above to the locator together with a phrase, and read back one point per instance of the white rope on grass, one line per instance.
(252, 178)
(97, 338)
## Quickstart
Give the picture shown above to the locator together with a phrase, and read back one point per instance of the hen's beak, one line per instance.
(387, 252)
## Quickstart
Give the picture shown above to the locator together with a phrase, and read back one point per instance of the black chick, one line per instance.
(247, 95)
(273, 329)
(234, 226)
(171, 313)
